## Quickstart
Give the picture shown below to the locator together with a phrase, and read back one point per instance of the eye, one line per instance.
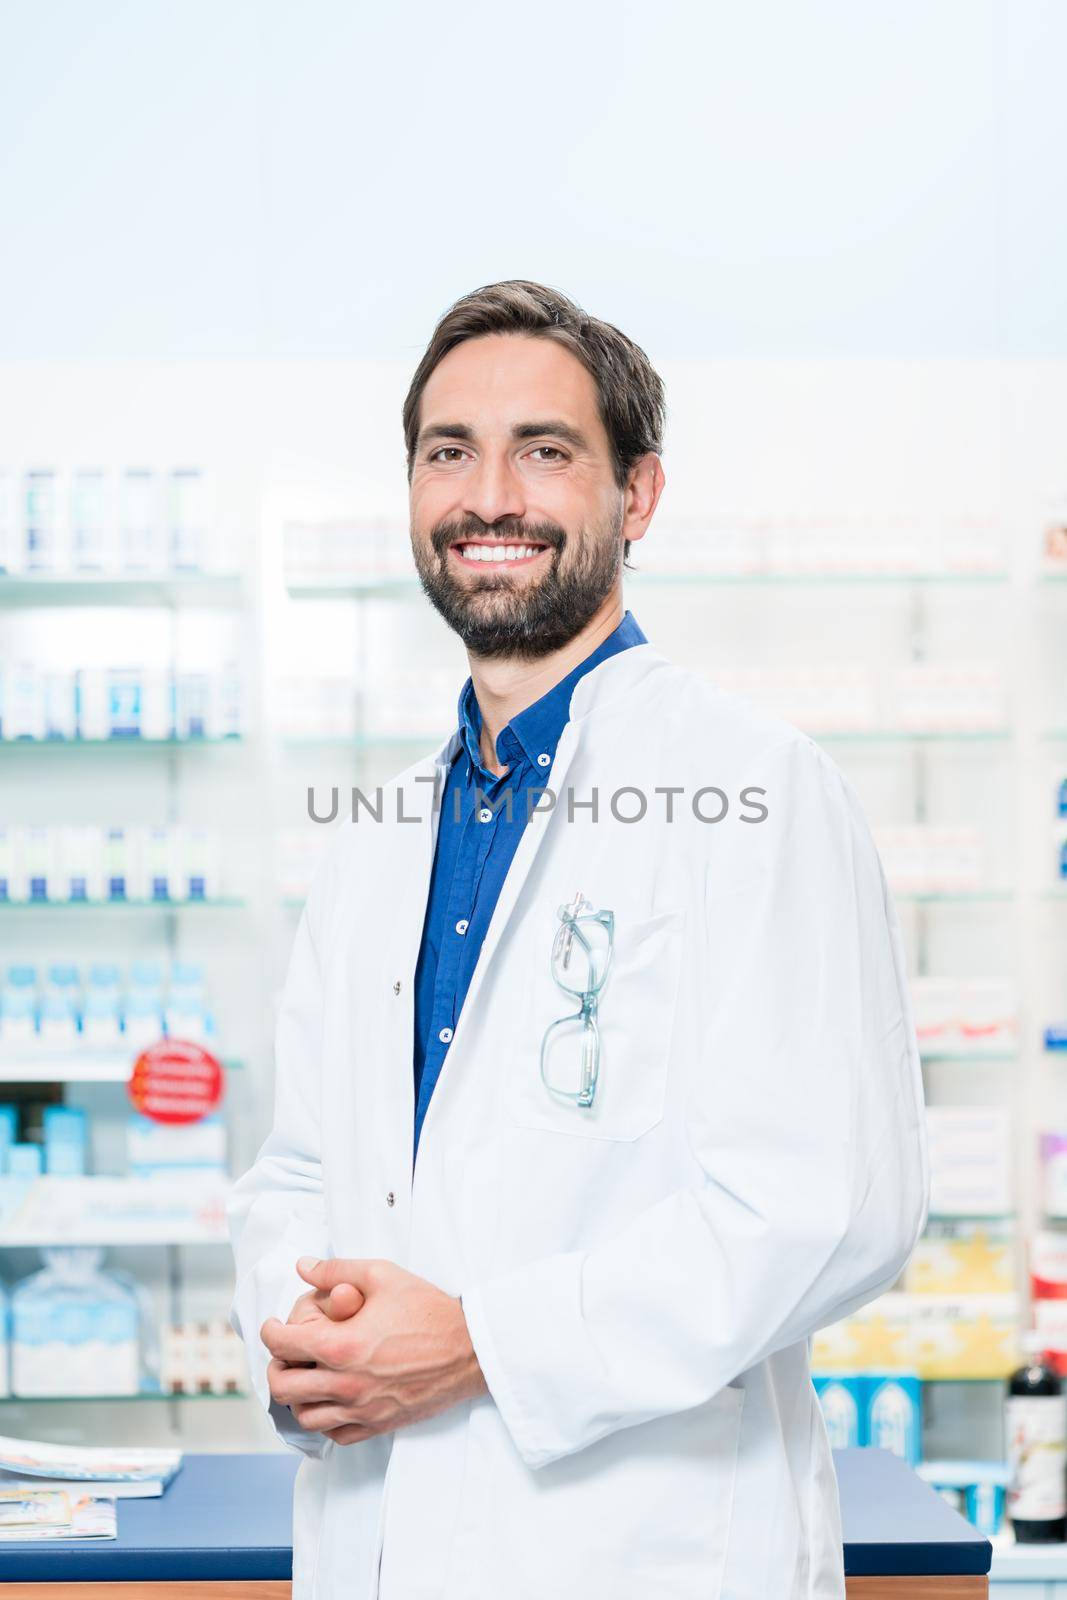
(451, 450)
(553, 450)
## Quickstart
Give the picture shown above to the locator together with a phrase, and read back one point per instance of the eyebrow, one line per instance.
(521, 430)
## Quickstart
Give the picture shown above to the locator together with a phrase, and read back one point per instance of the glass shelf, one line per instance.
(76, 1066)
(357, 741)
(353, 588)
(970, 1057)
(367, 588)
(71, 907)
(971, 1216)
(101, 589)
(114, 1399)
(918, 897)
(815, 578)
(214, 742)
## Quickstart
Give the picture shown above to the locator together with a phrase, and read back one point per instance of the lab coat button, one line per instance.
(445, 1035)
(390, 1198)
(396, 987)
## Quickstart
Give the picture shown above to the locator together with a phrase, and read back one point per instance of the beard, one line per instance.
(499, 615)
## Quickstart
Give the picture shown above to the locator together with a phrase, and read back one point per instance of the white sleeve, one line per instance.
(805, 1119)
(275, 1211)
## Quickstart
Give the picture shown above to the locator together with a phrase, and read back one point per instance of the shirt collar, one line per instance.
(533, 734)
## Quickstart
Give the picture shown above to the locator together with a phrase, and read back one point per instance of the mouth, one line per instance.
(496, 554)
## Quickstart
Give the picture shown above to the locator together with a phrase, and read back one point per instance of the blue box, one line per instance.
(844, 1411)
(893, 1412)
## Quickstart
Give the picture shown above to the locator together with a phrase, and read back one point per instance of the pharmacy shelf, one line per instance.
(370, 588)
(39, 907)
(77, 1066)
(970, 1057)
(103, 1210)
(356, 741)
(353, 588)
(360, 741)
(120, 743)
(1026, 1564)
(971, 1216)
(933, 897)
(99, 589)
(819, 577)
(156, 1395)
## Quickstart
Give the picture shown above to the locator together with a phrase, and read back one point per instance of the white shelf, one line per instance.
(112, 1211)
(1027, 1563)
(72, 1066)
(40, 906)
(101, 589)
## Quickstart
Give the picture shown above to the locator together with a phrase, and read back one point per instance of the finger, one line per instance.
(328, 1274)
(342, 1302)
(320, 1417)
(297, 1342)
(302, 1385)
(351, 1433)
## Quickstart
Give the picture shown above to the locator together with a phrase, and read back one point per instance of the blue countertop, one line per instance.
(230, 1516)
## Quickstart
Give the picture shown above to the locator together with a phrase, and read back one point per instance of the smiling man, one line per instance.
(587, 1113)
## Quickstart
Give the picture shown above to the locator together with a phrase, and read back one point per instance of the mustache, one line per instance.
(447, 533)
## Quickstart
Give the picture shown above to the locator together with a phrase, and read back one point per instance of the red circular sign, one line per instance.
(175, 1081)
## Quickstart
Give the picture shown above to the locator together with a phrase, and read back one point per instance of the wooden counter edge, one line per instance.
(915, 1588)
(959, 1587)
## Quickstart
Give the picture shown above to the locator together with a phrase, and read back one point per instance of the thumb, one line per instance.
(328, 1274)
(342, 1302)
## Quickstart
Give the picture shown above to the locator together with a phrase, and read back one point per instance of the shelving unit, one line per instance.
(176, 1235)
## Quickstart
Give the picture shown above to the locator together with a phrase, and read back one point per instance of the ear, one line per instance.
(643, 489)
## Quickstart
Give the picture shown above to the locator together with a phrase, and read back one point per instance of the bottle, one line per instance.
(1036, 1425)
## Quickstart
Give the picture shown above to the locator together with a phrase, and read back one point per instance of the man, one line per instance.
(597, 1083)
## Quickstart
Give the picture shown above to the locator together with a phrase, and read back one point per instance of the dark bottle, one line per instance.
(1035, 1414)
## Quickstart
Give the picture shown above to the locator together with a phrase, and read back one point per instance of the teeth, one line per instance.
(497, 552)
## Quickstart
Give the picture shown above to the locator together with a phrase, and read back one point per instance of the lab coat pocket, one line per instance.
(635, 1019)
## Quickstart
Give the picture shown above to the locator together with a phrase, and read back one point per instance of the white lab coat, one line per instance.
(640, 1280)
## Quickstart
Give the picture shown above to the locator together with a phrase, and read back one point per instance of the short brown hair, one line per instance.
(629, 389)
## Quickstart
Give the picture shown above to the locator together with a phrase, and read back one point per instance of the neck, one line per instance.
(505, 685)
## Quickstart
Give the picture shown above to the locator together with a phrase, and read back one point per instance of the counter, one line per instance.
(223, 1530)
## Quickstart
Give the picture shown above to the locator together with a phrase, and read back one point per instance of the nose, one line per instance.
(493, 490)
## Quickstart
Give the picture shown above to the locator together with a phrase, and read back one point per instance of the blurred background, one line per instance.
(228, 228)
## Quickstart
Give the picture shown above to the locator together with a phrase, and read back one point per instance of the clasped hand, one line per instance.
(369, 1349)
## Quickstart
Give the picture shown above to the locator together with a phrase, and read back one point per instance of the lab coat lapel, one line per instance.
(613, 677)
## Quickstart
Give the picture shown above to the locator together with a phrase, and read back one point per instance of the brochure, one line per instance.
(55, 1514)
(31, 1458)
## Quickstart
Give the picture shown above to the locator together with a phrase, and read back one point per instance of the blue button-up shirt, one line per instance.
(476, 839)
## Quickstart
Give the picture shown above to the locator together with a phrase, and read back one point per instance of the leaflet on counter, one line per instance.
(27, 1517)
(32, 1458)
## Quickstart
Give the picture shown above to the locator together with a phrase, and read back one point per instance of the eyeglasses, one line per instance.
(581, 956)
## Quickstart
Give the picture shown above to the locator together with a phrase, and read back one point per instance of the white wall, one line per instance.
(256, 177)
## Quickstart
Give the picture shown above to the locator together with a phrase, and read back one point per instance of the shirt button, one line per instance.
(445, 1035)
(462, 925)
(485, 815)
(544, 759)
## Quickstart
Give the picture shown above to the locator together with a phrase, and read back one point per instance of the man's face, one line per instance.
(516, 517)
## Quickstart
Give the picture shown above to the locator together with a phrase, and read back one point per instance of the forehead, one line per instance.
(501, 379)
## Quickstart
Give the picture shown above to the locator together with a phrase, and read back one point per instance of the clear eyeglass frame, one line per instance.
(580, 961)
